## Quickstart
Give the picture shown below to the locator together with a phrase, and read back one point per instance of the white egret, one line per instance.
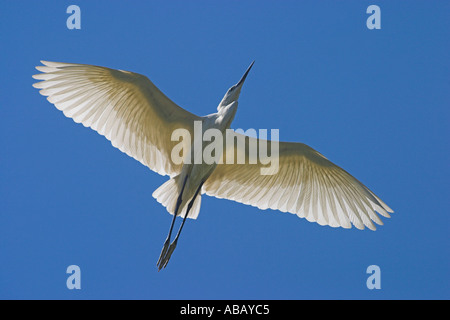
(138, 119)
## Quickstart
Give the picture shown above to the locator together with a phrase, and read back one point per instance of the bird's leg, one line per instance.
(167, 242)
(173, 245)
(191, 203)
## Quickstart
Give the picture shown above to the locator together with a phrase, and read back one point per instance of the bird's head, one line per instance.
(234, 92)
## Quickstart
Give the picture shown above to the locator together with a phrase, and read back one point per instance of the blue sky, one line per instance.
(375, 102)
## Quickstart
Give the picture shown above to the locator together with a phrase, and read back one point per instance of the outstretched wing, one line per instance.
(125, 107)
(306, 184)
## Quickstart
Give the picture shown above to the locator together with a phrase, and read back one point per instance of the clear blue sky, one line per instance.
(375, 102)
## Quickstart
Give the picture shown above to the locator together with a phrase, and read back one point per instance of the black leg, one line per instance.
(166, 243)
(173, 245)
(187, 211)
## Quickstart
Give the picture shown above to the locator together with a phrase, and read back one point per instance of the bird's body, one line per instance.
(192, 173)
(130, 111)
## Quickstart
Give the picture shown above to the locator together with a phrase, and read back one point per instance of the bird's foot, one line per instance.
(163, 254)
(164, 260)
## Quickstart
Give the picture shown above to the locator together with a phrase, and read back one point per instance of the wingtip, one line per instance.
(41, 68)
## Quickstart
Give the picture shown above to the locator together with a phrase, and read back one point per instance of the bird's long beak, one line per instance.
(241, 82)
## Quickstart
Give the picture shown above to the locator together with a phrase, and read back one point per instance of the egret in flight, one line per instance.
(138, 119)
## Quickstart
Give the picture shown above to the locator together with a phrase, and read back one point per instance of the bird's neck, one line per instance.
(225, 115)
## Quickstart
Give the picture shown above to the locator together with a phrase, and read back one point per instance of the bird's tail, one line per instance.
(167, 194)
